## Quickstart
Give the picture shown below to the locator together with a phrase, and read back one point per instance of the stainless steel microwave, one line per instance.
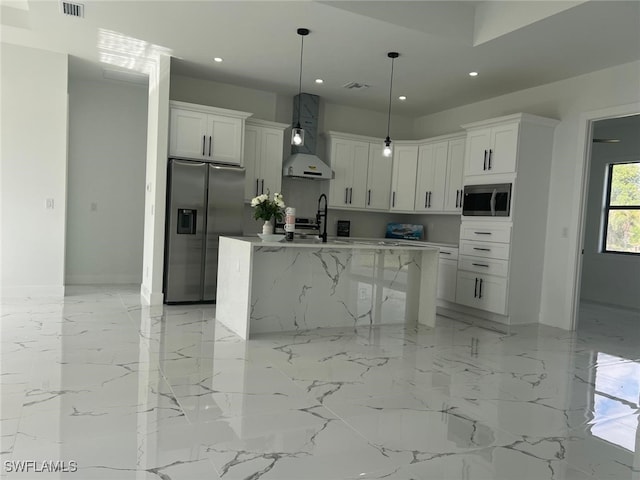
(487, 200)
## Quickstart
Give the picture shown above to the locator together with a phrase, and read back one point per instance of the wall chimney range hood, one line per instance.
(303, 162)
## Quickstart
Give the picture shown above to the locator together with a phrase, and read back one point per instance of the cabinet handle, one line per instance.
(482, 233)
(204, 140)
(430, 199)
(346, 195)
(490, 153)
(480, 293)
(480, 265)
(426, 199)
(482, 249)
(350, 195)
(484, 167)
(369, 197)
(445, 253)
(257, 189)
(393, 201)
(210, 142)
(457, 197)
(475, 290)
(262, 186)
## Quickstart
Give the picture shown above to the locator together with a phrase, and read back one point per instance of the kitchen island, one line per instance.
(303, 285)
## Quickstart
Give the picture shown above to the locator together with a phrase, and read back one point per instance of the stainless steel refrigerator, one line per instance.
(204, 201)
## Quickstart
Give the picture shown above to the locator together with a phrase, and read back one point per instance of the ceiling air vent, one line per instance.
(355, 86)
(73, 9)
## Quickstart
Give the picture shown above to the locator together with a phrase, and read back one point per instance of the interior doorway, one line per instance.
(608, 266)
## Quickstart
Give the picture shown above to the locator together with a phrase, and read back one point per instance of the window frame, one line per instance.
(608, 207)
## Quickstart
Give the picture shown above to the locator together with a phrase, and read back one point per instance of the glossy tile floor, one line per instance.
(100, 384)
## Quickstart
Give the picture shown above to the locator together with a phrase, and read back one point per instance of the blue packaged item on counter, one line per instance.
(406, 231)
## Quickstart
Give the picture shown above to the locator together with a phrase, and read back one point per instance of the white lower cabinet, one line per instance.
(484, 292)
(447, 279)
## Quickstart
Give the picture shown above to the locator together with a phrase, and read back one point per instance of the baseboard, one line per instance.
(610, 306)
(150, 298)
(107, 279)
(33, 291)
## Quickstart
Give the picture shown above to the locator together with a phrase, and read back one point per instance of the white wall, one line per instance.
(33, 162)
(106, 184)
(567, 100)
(607, 277)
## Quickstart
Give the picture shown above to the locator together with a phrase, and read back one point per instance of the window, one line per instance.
(622, 209)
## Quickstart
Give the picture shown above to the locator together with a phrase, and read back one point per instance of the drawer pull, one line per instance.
(482, 233)
(482, 249)
(480, 265)
(446, 253)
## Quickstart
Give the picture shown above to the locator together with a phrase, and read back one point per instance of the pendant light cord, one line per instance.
(300, 81)
(390, 88)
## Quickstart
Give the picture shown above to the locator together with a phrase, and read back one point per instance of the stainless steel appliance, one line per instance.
(492, 200)
(204, 201)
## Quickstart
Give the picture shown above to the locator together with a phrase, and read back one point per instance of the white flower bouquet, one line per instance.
(266, 209)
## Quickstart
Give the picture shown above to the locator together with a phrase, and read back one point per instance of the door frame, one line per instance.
(585, 141)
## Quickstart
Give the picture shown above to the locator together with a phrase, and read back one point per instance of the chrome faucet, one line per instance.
(322, 214)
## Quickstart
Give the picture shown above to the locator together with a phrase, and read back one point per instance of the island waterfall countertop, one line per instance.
(304, 284)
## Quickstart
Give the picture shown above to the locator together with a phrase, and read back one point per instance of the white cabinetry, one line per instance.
(439, 175)
(362, 173)
(492, 149)
(447, 272)
(455, 165)
(263, 152)
(206, 133)
(403, 178)
(483, 248)
(500, 260)
(431, 177)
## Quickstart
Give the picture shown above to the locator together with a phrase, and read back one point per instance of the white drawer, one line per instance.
(484, 249)
(448, 253)
(489, 266)
(486, 233)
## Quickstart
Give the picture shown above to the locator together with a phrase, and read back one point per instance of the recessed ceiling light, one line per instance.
(217, 59)
(402, 97)
(473, 74)
(319, 80)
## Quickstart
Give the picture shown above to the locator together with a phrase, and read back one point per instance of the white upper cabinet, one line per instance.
(263, 155)
(455, 165)
(403, 179)
(378, 178)
(431, 177)
(492, 150)
(362, 175)
(206, 133)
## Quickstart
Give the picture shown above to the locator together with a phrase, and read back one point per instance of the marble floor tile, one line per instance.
(127, 391)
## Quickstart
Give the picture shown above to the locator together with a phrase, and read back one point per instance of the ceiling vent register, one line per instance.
(72, 9)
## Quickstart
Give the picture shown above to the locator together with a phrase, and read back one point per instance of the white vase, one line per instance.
(267, 228)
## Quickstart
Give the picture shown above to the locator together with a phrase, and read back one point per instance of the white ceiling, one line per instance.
(513, 44)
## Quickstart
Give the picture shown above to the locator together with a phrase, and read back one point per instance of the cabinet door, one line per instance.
(358, 192)
(187, 134)
(342, 165)
(447, 273)
(251, 159)
(378, 178)
(403, 190)
(431, 177)
(455, 164)
(224, 137)
(477, 151)
(270, 166)
(504, 149)
(484, 292)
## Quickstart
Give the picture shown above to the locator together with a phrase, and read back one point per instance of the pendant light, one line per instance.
(297, 133)
(387, 141)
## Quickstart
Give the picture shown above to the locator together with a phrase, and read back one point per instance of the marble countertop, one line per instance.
(347, 243)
